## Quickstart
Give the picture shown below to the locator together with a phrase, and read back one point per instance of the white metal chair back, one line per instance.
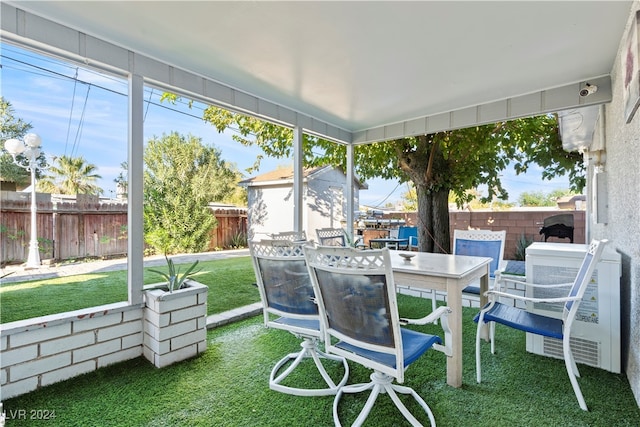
(283, 281)
(358, 296)
(582, 280)
(485, 243)
(291, 236)
(331, 237)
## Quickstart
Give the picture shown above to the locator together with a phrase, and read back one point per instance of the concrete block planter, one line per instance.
(175, 323)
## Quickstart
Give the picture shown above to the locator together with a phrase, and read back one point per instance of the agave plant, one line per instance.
(174, 278)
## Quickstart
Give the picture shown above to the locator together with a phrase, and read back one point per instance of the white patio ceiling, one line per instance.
(374, 70)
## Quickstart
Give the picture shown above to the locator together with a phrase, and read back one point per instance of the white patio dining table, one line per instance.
(450, 273)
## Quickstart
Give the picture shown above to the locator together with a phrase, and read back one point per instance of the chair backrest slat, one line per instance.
(291, 236)
(331, 237)
(583, 278)
(357, 292)
(283, 278)
(486, 243)
(357, 306)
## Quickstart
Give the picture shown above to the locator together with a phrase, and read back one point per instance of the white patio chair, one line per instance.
(521, 319)
(286, 292)
(358, 309)
(337, 237)
(331, 237)
(291, 236)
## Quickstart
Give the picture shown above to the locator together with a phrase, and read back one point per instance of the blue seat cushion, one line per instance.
(313, 325)
(472, 289)
(523, 320)
(414, 344)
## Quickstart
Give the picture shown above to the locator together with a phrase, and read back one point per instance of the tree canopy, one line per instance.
(14, 127)
(71, 175)
(181, 177)
(437, 164)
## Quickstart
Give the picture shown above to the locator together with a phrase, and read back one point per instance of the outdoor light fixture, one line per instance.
(30, 149)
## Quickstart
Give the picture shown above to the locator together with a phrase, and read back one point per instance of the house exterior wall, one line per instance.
(270, 210)
(325, 203)
(271, 206)
(621, 144)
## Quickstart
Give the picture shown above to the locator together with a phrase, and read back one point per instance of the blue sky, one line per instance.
(87, 117)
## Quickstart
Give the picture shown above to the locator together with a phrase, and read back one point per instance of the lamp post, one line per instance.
(30, 149)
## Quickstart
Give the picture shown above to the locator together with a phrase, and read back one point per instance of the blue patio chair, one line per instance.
(484, 243)
(358, 309)
(288, 304)
(553, 327)
(411, 234)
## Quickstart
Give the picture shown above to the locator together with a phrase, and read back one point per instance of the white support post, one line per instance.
(135, 221)
(298, 179)
(350, 191)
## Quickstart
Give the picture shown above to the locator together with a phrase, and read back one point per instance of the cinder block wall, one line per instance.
(515, 222)
(45, 350)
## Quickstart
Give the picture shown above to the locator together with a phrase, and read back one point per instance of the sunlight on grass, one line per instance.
(230, 283)
(80, 278)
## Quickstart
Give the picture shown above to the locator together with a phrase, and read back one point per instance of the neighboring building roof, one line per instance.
(577, 201)
(284, 175)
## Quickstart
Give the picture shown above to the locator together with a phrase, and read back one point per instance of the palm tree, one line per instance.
(71, 175)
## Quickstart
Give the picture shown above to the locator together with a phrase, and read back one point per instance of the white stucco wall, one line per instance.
(270, 210)
(271, 207)
(621, 164)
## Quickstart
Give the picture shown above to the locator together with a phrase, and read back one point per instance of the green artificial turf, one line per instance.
(228, 386)
(230, 283)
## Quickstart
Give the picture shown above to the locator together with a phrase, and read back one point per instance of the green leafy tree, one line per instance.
(12, 127)
(182, 176)
(540, 198)
(437, 164)
(71, 175)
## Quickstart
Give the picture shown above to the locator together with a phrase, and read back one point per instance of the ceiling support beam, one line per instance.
(534, 104)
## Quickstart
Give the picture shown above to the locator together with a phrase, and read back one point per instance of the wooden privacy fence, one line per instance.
(85, 228)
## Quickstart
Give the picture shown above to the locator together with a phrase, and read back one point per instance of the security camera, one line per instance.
(588, 90)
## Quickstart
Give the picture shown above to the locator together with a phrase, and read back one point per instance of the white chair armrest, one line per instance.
(430, 318)
(533, 285)
(495, 293)
(441, 313)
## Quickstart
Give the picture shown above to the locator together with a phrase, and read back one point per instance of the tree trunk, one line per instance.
(433, 220)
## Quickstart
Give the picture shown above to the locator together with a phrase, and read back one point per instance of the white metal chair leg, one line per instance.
(381, 384)
(434, 303)
(309, 349)
(572, 371)
(492, 336)
(478, 339)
